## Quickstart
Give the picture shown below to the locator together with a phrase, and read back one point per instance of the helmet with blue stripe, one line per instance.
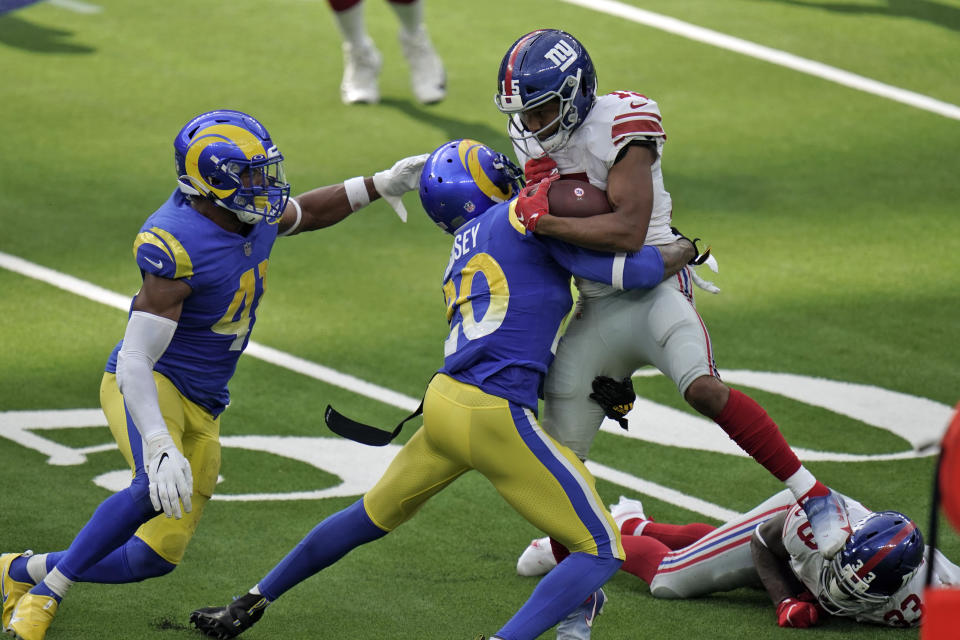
(228, 157)
(463, 178)
(545, 65)
(882, 554)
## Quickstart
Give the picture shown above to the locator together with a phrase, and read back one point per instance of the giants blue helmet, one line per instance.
(463, 178)
(541, 66)
(882, 554)
(229, 157)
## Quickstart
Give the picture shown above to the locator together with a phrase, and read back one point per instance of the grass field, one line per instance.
(832, 211)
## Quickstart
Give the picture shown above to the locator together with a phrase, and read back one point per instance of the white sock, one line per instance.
(57, 582)
(800, 482)
(37, 567)
(410, 16)
(256, 590)
(352, 26)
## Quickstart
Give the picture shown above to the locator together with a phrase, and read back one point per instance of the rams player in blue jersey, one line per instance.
(203, 256)
(507, 292)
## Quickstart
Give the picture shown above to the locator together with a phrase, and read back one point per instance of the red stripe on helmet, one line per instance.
(885, 550)
(508, 77)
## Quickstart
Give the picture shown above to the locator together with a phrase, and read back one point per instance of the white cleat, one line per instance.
(361, 68)
(627, 509)
(428, 79)
(578, 625)
(537, 559)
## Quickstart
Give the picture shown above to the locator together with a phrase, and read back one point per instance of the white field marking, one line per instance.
(666, 494)
(358, 466)
(919, 421)
(768, 54)
(76, 6)
(256, 350)
(888, 410)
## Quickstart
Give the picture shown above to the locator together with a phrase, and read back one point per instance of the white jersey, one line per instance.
(615, 120)
(616, 332)
(903, 609)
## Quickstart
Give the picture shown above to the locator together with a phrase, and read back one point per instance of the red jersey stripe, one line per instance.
(635, 126)
(638, 114)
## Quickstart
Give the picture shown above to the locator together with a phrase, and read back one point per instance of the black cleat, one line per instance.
(231, 620)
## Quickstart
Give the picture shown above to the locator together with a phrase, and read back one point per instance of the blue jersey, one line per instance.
(226, 273)
(507, 292)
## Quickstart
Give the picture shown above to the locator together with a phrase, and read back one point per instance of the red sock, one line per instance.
(749, 426)
(629, 526)
(342, 5)
(677, 536)
(643, 556)
(819, 489)
(560, 552)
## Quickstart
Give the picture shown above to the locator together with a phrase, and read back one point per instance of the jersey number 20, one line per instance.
(498, 296)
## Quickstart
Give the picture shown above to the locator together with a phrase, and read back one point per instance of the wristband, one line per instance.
(296, 223)
(356, 193)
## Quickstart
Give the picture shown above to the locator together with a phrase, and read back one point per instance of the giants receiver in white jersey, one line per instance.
(877, 577)
(547, 87)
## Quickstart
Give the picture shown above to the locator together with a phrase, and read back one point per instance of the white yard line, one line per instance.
(261, 352)
(325, 374)
(76, 6)
(768, 54)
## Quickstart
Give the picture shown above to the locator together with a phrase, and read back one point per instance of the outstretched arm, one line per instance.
(326, 206)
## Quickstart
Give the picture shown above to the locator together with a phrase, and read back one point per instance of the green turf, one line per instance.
(832, 213)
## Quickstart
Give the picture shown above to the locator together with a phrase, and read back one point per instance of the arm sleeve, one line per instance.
(636, 270)
(146, 338)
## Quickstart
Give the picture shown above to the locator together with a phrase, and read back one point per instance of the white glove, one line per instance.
(171, 479)
(403, 176)
(706, 285)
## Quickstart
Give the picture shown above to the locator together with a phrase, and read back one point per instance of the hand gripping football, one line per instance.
(577, 199)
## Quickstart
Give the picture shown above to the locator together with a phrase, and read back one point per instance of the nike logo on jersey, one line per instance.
(637, 105)
(158, 264)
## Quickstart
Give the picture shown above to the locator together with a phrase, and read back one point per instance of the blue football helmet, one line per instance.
(545, 65)
(463, 178)
(882, 554)
(229, 157)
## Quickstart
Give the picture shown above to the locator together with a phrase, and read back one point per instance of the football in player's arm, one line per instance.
(203, 256)
(479, 408)
(561, 128)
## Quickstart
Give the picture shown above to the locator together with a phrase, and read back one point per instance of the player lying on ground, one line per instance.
(507, 292)
(877, 577)
(203, 257)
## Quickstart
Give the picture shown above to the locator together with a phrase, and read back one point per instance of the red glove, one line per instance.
(806, 596)
(797, 614)
(537, 169)
(532, 203)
